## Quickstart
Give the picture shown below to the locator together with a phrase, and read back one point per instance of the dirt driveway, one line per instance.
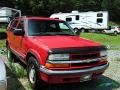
(109, 81)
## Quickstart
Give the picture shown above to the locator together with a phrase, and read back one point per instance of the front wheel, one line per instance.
(33, 74)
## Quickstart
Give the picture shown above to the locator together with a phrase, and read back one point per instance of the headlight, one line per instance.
(103, 53)
(58, 57)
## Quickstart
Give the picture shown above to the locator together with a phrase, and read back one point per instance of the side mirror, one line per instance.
(19, 32)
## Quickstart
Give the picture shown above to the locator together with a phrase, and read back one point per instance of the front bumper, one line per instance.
(70, 76)
(70, 72)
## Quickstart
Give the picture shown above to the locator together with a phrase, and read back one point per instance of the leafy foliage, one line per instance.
(47, 7)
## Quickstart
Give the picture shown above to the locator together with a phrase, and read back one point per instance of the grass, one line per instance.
(2, 30)
(18, 70)
(103, 38)
(2, 43)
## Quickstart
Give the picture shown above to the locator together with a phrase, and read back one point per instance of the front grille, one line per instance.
(84, 56)
(88, 65)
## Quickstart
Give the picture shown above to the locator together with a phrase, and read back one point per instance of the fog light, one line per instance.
(86, 78)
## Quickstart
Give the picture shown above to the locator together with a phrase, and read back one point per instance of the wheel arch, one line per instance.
(35, 54)
(30, 54)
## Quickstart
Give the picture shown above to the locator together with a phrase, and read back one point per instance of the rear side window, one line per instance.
(68, 19)
(112, 27)
(11, 22)
(14, 24)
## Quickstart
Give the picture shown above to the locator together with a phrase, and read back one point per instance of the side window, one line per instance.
(68, 19)
(14, 24)
(21, 25)
(63, 26)
(112, 27)
(77, 17)
(99, 20)
(9, 25)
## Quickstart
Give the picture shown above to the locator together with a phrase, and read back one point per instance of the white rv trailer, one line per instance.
(84, 20)
(6, 14)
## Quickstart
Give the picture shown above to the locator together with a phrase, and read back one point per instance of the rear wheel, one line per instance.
(76, 30)
(9, 54)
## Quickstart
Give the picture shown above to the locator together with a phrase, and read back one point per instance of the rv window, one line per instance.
(99, 20)
(68, 19)
(100, 15)
(77, 17)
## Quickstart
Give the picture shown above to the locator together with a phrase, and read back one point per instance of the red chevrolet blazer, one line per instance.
(53, 52)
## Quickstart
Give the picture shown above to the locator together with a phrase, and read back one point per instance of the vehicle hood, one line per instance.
(63, 41)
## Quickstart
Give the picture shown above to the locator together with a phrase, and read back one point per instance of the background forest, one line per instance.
(47, 7)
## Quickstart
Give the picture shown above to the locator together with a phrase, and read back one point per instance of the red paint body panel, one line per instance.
(66, 79)
(63, 41)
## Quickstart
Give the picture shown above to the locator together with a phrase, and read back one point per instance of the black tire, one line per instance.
(33, 74)
(115, 33)
(82, 30)
(38, 84)
(76, 30)
(11, 57)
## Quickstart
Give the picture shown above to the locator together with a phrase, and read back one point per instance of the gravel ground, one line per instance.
(113, 54)
(109, 81)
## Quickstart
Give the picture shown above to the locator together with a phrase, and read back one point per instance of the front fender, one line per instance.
(40, 55)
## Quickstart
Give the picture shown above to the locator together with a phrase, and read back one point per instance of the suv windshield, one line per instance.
(48, 27)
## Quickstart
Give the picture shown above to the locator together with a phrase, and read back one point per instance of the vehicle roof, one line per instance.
(40, 18)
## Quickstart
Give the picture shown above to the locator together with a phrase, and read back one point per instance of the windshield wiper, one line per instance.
(51, 34)
(42, 34)
(66, 34)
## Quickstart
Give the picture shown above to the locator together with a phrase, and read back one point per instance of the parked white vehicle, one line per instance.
(84, 20)
(3, 79)
(114, 30)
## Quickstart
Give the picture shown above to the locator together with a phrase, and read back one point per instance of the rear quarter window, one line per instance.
(13, 25)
